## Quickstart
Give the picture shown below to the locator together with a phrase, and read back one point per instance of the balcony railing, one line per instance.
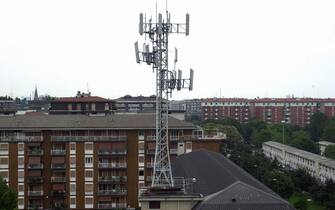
(58, 192)
(58, 152)
(58, 179)
(112, 179)
(112, 205)
(112, 192)
(21, 138)
(150, 164)
(151, 138)
(35, 192)
(112, 152)
(36, 179)
(58, 166)
(112, 165)
(35, 166)
(88, 138)
(151, 151)
(35, 152)
(173, 151)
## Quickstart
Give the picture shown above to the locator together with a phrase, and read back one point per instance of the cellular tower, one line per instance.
(156, 53)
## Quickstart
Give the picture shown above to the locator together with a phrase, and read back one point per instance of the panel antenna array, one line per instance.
(156, 53)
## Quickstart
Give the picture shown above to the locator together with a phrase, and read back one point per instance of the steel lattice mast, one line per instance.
(166, 82)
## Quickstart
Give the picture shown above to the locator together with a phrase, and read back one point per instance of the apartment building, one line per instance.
(82, 161)
(130, 103)
(82, 103)
(296, 111)
(316, 165)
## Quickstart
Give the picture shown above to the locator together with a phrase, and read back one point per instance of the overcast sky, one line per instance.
(238, 48)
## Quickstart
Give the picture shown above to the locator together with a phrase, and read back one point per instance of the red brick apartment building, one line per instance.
(297, 111)
(85, 162)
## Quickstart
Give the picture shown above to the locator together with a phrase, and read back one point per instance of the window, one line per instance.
(154, 204)
(88, 202)
(89, 173)
(88, 147)
(72, 146)
(141, 172)
(4, 162)
(141, 135)
(72, 202)
(72, 175)
(78, 107)
(20, 175)
(72, 161)
(93, 106)
(88, 160)
(106, 106)
(72, 188)
(21, 148)
(4, 174)
(89, 188)
(69, 107)
(4, 148)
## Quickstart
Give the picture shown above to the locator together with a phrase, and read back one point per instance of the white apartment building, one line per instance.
(318, 166)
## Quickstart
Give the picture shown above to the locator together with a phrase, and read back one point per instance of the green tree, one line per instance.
(329, 131)
(8, 197)
(302, 180)
(330, 151)
(301, 203)
(302, 140)
(252, 126)
(317, 125)
(279, 182)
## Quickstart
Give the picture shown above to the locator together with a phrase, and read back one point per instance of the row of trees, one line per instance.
(256, 132)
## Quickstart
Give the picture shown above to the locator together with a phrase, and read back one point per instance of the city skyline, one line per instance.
(238, 49)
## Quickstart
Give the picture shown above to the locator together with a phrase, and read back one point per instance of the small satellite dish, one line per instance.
(179, 80)
(187, 24)
(141, 24)
(137, 54)
(191, 79)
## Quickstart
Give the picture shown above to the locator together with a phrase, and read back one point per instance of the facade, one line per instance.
(316, 165)
(82, 104)
(296, 111)
(129, 103)
(82, 161)
(193, 107)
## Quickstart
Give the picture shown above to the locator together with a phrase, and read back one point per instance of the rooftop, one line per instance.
(80, 99)
(119, 121)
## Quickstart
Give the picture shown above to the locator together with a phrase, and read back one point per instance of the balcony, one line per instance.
(88, 138)
(173, 151)
(112, 205)
(36, 206)
(174, 138)
(58, 193)
(35, 166)
(112, 165)
(113, 192)
(112, 152)
(150, 164)
(149, 178)
(35, 192)
(151, 138)
(55, 179)
(36, 152)
(4, 152)
(21, 138)
(112, 179)
(151, 151)
(35, 179)
(58, 152)
(58, 166)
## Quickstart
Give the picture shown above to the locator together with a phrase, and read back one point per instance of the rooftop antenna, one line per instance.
(156, 55)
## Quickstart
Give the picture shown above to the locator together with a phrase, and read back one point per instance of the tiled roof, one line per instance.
(81, 99)
(117, 121)
(220, 180)
(272, 100)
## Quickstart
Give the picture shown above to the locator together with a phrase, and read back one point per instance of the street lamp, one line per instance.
(283, 123)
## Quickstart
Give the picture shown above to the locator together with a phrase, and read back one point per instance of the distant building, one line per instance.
(83, 103)
(296, 111)
(129, 103)
(323, 145)
(316, 165)
(193, 107)
(7, 107)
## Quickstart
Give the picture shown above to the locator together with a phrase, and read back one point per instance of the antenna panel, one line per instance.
(160, 24)
(137, 54)
(187, 24)
(191, 79)
(179, 80)
(141, 24)
(175, 55)
(147, 54)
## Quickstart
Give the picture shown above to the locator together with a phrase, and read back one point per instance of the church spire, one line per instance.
(35, 94)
